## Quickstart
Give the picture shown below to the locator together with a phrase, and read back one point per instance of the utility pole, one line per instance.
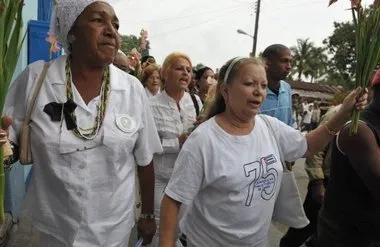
(256, 28)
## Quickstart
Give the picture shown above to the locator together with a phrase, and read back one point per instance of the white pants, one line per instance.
(159, 189)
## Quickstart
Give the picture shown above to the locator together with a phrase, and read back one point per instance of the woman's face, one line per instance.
(204, 81)
(178, 76)
(247, 91)
(96, 34)
(153, 83)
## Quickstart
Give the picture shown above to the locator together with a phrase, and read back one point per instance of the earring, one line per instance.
(70, 38)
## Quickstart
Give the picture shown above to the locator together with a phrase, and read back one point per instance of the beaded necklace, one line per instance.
(89, 133)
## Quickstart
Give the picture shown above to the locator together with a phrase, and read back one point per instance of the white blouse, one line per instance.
(171, 123)
(149, 94)
(82, 192)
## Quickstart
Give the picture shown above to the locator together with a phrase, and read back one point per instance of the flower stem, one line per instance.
(355, 122)
(2, 185)
(355, 20)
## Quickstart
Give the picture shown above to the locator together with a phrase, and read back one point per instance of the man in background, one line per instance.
(278, 102)
(122, 61)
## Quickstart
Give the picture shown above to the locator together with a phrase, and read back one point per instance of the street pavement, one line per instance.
(23, 235)
(278, 230)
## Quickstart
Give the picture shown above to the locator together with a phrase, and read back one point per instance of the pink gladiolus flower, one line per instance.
(144, 34)
(51, 38)
(376, 78)
(143, 39)
(55, 48)
(135, 53)
(134, 58)
(53, 43)
(143, 44)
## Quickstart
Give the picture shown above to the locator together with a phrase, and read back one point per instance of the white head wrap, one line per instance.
(64, 15)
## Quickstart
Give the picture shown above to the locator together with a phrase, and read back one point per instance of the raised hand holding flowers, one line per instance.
(367, 31)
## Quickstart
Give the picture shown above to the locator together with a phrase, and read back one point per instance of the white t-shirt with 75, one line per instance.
(232, 182)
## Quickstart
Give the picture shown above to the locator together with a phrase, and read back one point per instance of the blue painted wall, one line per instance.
(44, 10)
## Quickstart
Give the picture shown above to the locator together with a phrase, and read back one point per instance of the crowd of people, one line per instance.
(306, 116)
(181, 156)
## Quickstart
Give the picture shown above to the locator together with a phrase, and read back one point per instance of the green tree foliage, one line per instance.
(339, 97)
(334, 78)
(308, 60)
(317, 65)
(301, 57)
(128, 42)
(341, 46)
(199, 65)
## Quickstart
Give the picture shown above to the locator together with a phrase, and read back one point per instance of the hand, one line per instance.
(182, 139)
(318, 192)
(6, 121)
(356, 99)
(146, 229)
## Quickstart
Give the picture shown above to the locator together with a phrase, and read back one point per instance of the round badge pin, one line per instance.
(125, 123)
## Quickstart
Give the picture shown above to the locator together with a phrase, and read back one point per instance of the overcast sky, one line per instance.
(206, 29)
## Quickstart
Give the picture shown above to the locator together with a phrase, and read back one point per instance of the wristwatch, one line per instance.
(147, 216)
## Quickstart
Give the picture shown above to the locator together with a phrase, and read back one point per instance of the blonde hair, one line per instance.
(170, 60)
(148, 71)
(227, 75)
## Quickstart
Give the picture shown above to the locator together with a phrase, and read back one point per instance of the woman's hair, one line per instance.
(148, 71)
(145, 58)
(199, 73)
(216, 76)
(227, 75)
(169, 61)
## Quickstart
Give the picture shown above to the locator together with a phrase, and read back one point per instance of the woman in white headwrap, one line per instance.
(86, 135)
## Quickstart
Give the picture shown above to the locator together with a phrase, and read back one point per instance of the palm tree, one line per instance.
(301, 56)
(317, 64)
(308, 60)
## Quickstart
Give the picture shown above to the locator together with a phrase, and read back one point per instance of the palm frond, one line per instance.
(367, 50)
(10, 46)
